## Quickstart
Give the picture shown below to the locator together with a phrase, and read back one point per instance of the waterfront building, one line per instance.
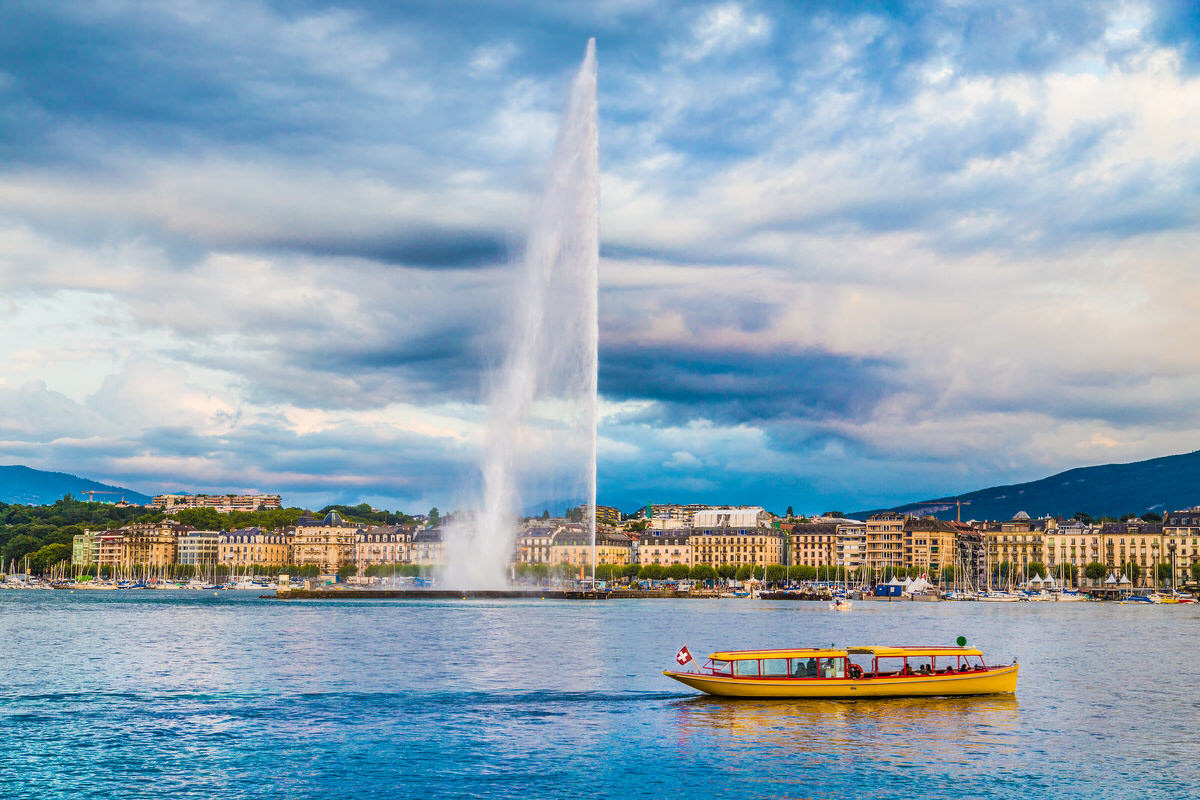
(534, 544)
(1181, 542)
(572, 544)
(884, 541)
(197, 548)
(1133, 542)
(971, 557)
(381, 545)
(1073, 543)
(325, 544)
(737, 536)
(108, 549)
(254, 546)
(929, 545)
(811, 544)
(851, 545)
(223, 503)
(427, 548)
(151, 544)
(665, 547)
(82, 549)
(1018, 542)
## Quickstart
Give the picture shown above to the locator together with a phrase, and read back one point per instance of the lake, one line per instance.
(187, 695)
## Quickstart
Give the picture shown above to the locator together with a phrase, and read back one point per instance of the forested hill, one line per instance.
(1158, 484)
(19, 484)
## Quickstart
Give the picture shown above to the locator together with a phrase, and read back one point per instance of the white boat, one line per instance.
(839, 604)
(998, 597)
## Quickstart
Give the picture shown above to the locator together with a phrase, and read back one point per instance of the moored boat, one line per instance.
(849, 672)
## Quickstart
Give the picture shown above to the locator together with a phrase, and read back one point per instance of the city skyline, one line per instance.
(850, 258)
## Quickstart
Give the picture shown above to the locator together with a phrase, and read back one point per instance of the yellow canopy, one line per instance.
(900, 652)
(795, 652)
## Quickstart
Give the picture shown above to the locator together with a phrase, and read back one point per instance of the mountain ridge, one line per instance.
(29, 486)
(1165, 483)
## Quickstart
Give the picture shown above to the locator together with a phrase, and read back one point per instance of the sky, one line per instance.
(852, 254)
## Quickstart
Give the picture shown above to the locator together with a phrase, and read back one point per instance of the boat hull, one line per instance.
(999, 680)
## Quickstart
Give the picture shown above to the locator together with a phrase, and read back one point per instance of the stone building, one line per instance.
(665, 547)
(325, 544)
(255, 547)
(382, 545)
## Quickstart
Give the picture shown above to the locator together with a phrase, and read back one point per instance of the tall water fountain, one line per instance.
(543, 396)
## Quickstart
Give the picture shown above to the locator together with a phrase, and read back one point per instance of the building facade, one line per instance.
(223, 503)
(929, 545)
(427, 548)
(83, 549)
(197, 548)
(326, 545)
(666, 548)
(811, 544)
(255, 547)
(1181, 542)
(533, 545)
(381, 545)
(573, 545)
(884, 541)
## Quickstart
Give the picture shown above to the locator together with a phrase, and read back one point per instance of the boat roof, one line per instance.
(791, 652)
(834, 652)
(880, 652)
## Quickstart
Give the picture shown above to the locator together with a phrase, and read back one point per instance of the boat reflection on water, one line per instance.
(950, 730)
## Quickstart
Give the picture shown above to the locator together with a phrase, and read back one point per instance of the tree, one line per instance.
(546, 514)
(1195, 570)
(703, 572)
(434, 518)
(837, 514)
(1132, 571)
(46, 557)
(347, 570)
(630, 570)
(802, 572)
(948, 574)
(17, 548)
(651, 572)
(743, 573)
(727, 571)
(1036, 568)
(915, 571)
(308, 571)
(1001, 571)
(790, 513)
(606, 572)
(1163, 571)
(678, 572)
(1095, 571)
(775, 573)
(540, 572)
(1085, 518)
(639, 525)
(1152, 516)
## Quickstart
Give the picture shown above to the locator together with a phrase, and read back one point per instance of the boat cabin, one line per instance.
(851, 662)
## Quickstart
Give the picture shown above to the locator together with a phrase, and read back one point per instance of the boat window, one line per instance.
(720, 667)
(920, 665)
(746, 667)
(890, 666)
(972, 662)
(865, 662)
(775, 667)
(833, 667)
(804, 667)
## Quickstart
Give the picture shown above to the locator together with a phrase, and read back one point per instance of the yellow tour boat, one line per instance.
(848, 672)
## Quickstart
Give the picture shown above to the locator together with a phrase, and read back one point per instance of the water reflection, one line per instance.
(903, 730)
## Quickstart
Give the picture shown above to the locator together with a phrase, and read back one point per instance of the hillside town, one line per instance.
(661, 541)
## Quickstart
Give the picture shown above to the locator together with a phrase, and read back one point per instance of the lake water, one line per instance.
(186, 695)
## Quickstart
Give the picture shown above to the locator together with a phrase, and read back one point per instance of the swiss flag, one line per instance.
(683, 656)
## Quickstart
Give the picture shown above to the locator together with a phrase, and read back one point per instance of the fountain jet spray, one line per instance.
(543, 398)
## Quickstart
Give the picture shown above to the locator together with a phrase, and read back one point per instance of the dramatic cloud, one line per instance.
(852, 254)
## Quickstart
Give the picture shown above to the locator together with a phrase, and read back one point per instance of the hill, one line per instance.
(1158, 484)
(20, 484)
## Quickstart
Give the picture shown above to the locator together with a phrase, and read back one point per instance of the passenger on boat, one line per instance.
(810, 669)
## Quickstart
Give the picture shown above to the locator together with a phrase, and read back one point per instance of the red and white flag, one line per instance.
(683, 656)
